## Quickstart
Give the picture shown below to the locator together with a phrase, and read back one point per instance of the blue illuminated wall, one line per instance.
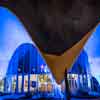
(12, 34)
(81, 65)
(29, 57)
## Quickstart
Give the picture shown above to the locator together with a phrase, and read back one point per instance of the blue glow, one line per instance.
(92, 48)
(28, 53)
(12, 34)
(93, 45)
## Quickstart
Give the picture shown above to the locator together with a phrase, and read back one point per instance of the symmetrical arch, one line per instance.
(26, 61)
(28, 53)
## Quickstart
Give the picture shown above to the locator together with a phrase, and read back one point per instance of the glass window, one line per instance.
(14, 83)
(2, 85)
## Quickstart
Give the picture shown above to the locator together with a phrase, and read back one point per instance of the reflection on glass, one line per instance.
(19, 83)
(25, 83)
(14, 83)
(33, 83)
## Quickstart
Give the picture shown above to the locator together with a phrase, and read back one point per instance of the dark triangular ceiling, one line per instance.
(56, 25)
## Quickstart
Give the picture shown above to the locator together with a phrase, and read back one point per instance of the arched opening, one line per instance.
(28, 72)
(25, 64)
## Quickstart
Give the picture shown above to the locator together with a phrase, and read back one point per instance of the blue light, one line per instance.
(93, 45)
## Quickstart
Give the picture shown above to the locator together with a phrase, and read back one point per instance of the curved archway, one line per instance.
(26, 70)
(25, 64)
(26, 51)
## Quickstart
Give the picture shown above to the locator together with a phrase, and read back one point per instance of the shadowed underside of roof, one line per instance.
(56, 25)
